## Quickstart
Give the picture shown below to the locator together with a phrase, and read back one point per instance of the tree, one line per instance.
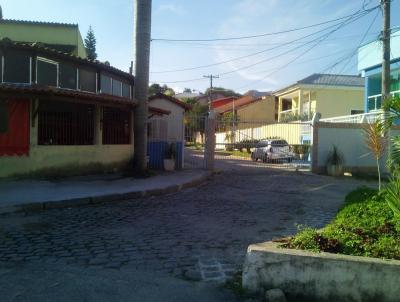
(225, 92)
(376, 141)
(187, 90)
(157, 88)
(142, 66)
(90, 44)
(195, 120)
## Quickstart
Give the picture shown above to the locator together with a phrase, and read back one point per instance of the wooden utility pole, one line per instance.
(211, 77)
(386, 50)
(142, 65)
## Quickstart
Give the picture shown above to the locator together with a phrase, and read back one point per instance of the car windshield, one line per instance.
(280, 143)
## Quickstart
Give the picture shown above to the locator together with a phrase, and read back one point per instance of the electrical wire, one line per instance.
(267, 34)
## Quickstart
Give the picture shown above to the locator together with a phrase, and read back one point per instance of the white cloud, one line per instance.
(170, 8)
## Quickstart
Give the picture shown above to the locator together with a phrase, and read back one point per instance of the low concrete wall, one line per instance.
(350, 141)
(42, 158)
(306, 276)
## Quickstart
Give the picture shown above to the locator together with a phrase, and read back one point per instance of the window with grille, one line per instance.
(62, 123)
(46, 72)
(116, 126)
(67, 76)
(87, 80)
(17, 67)
(105, 84)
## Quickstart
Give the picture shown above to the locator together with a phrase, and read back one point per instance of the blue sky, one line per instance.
(112, 22)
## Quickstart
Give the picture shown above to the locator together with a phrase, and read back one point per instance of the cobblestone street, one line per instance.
(197, 234)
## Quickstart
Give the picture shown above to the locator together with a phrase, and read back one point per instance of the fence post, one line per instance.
(209, 152)
(314, 151)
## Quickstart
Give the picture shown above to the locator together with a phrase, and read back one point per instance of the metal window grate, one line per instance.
(116, 126)
(69, 124)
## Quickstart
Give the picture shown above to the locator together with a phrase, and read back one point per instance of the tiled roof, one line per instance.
(23, 90)
(333, 80)
(6, 42)
(171, 99)
(239, 102)
(58, 24)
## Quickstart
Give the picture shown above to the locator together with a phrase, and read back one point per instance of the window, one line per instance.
(116, 126)
(87, 80)
(17, 67)
(116, 88)
(126, 90)
(67, 76)
(3, 116)
(46, 72)
(105, 84)
(62, 123)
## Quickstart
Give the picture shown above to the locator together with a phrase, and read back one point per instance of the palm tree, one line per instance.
(376, 141)
(142, 47)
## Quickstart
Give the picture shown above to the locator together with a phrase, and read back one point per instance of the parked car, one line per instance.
(272, 150)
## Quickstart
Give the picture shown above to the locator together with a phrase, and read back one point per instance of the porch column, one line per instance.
(98, 125)
(279, 108)
(33, 139)
(300, 104)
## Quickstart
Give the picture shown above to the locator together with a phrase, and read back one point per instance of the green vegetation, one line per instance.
(90, 44)
(365, 226)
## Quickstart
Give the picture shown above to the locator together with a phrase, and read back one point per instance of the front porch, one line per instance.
(296, 105)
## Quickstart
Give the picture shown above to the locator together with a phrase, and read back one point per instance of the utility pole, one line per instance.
(142, 65)
(386, 50)
(211, 77)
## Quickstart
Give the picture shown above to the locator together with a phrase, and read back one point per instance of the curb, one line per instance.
(93, 200)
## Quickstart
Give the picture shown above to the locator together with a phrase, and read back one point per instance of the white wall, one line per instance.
(176, 131)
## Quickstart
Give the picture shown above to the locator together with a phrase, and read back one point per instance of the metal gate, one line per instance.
(259, 144)
(248, 143)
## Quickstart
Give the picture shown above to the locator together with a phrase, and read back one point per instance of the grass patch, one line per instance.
(364, 226)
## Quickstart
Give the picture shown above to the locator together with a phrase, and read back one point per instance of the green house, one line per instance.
(59, 36)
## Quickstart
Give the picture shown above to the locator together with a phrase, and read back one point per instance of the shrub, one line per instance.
(364, 226)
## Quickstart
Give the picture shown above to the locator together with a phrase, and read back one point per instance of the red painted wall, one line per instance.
(15, 141)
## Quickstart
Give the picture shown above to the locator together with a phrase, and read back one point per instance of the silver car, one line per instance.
(272, 150)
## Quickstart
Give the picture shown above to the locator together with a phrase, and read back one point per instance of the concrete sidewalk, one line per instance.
(26, 195)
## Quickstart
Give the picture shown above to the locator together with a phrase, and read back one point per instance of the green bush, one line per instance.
(365, 226)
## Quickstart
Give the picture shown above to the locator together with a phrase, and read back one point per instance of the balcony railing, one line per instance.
(377, 100)
(369, 117)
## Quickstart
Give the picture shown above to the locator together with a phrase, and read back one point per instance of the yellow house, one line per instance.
(260, 110)
(328, 94)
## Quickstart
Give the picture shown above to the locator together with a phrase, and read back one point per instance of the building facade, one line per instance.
(62, 114)
(370, 66)
(328, 94)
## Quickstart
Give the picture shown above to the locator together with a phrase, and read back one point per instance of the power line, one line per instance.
(302, 54)
(265, 34)
(356, 16)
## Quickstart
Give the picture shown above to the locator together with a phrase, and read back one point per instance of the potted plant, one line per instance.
(334, 162)
(169, 159)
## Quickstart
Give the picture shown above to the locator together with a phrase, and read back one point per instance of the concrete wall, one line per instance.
(176, 129)
(339, 102)
(306, 276)
(350, 140)
(51, 34)
(71, 160)
(260, 111)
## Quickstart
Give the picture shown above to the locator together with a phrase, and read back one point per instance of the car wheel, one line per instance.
(265, 159)
(253, 157)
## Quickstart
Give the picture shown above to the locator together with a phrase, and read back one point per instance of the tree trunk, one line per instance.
(142, 65)
(379, 173)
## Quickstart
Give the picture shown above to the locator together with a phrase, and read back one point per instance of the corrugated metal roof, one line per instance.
(333, 80)
(14, 21)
